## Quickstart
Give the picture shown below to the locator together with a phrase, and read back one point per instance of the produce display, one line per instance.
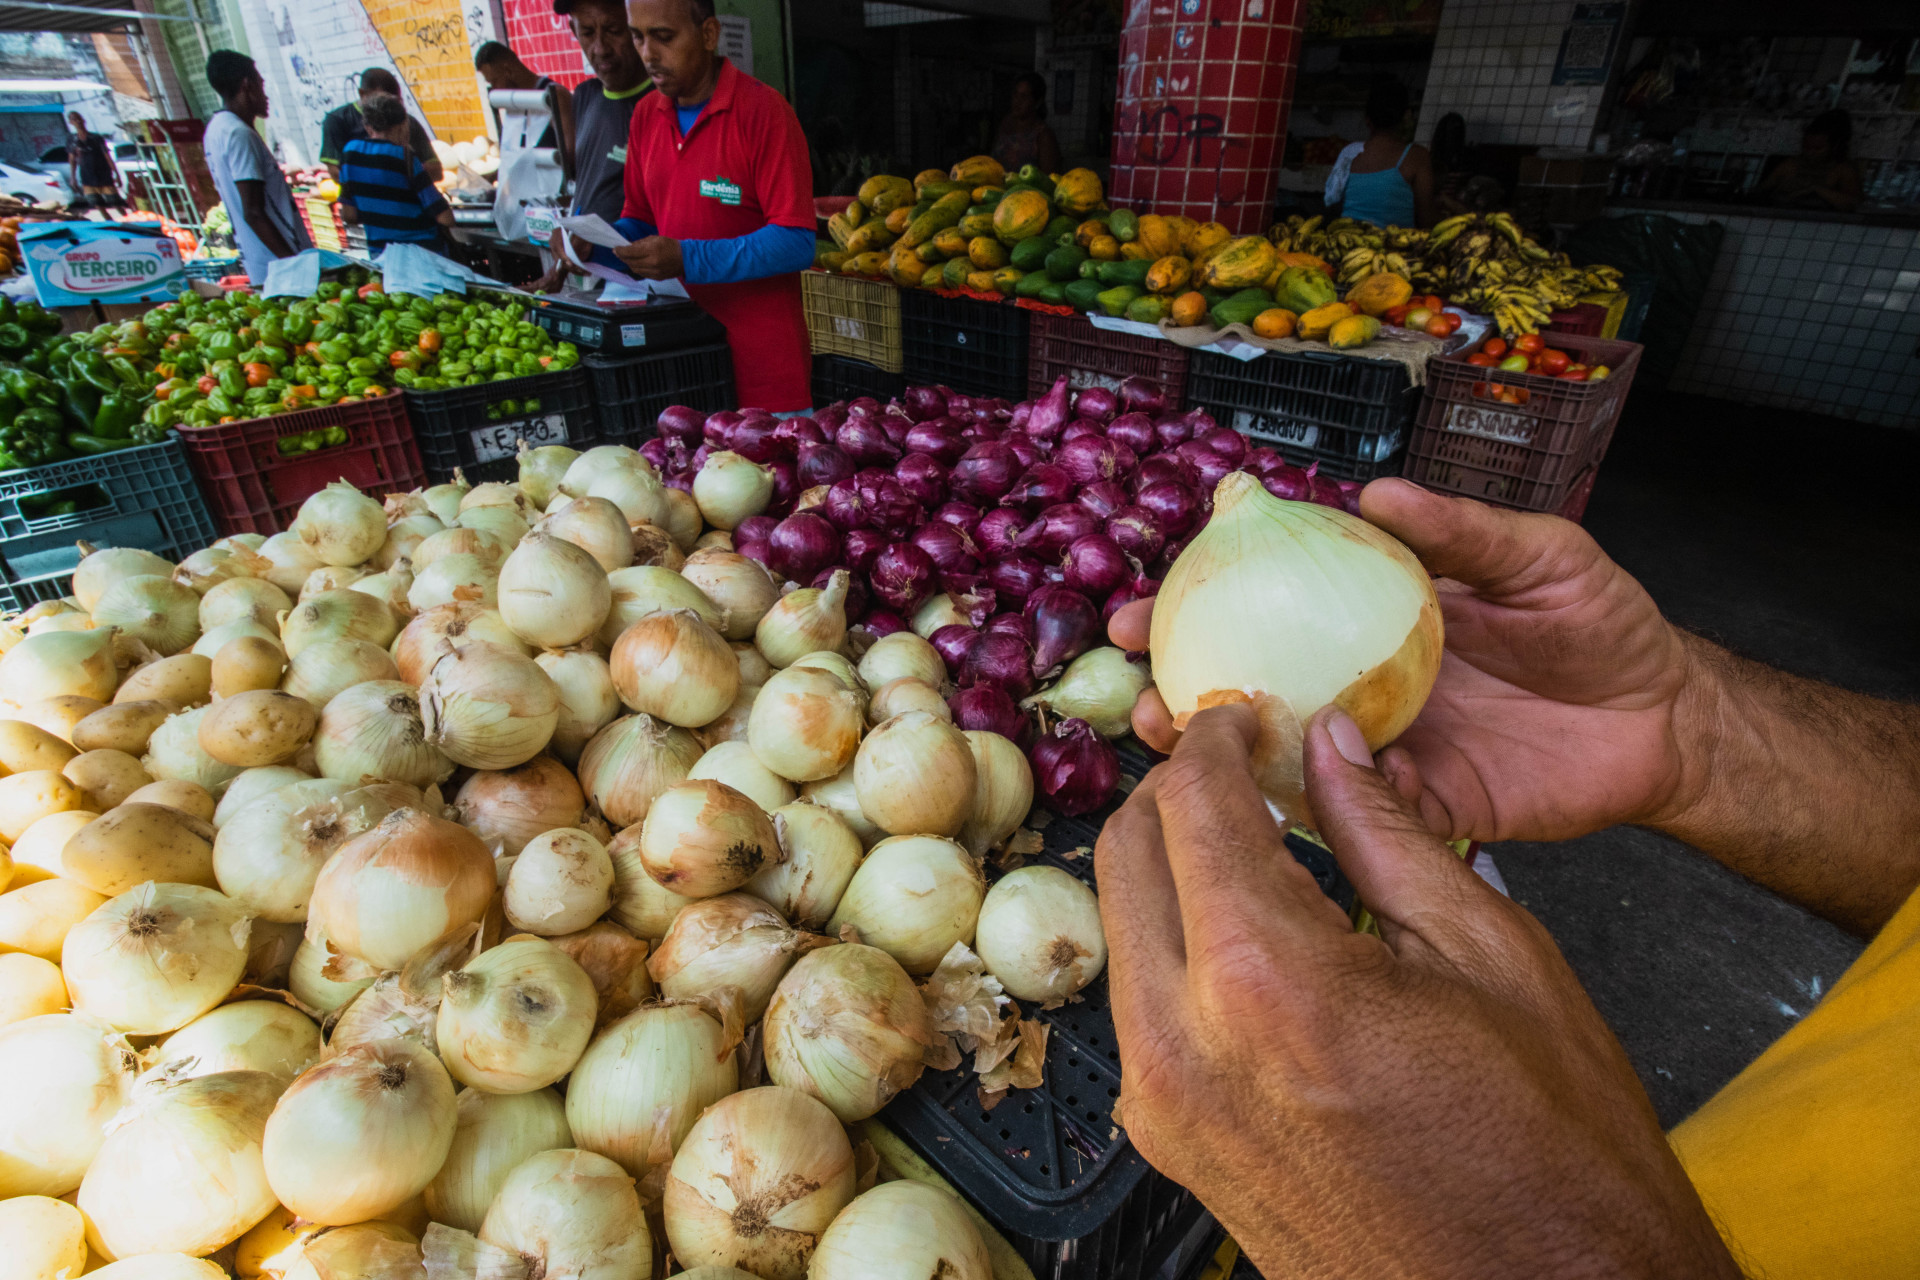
(1529, 353)
(64, 396)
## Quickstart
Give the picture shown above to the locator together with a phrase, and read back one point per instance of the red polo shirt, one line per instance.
(742, 166)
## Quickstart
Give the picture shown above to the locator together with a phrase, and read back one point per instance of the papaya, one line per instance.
(1354, 331)
(1084, 295)
(942, 189)
(1319, 322)
(1030, 254)
(1275, 322)
(976, 224)
(1061, 225)
(872, 234)
(918, 208)
(979, 171)
(1084, 234)
(951, 243)
(925, 176)
(1307, 260)
(885, 192)
(898, 219)
(1182, 228)
(1020, 215)
(1115, 301)
(1034, 178)
(864, 264)
(1379, 292)
(1031, 283)
(929, 253)
(1133, 273)
(1203, 236)
(1239, 262)
(1301, 290)
(945, 213)
(828, 258)
(1189, 309)
(1239, 308)
(841, 227)
(1123, 225)
(1105, 248)
(1053, 293)
(954, 273)
(905, 267)
(1078, 191)
(1158, 235)
(986, 253)
(1006, 278)
(1064, 263)
(1133, 250)
(1090, 269)
(1147, 309)
(988, 196)
(1168, 274)
(980, 281)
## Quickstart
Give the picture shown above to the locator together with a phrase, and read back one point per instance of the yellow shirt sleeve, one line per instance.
(1809, 1160)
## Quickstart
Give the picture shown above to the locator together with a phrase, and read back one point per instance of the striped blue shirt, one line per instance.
(395, 198)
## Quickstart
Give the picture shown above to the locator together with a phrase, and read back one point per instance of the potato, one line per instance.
(25, 798)
(59, 715)
(36, 919)
(260, 726)
(187, 797)
(137, 843)
(29, 987)
(107, 777)
(36, 854)
(25, 747)
(249, 662)
(185, 680)
(6, 871)
(124, 726)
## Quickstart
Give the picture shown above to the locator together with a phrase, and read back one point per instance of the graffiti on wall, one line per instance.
(429, 45)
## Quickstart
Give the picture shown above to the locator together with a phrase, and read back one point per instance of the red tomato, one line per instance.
(1437, 326)
(1554, 361)
(1433, 302)
(1397, 316)
(1572, 375)
(1453, 320)
(1529, 343)
(1482, 360)
(1495, 347)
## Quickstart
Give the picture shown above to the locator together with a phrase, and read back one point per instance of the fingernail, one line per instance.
(1348, 740)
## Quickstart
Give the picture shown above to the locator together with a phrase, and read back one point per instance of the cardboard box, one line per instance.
(77, 263)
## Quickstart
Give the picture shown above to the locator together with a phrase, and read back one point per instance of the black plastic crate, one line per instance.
(478, 429)
(1050, 1167)
(629, 392)
(843, 378)
(975, 347)
(628, 327)
(142, 497)
(1350, 415)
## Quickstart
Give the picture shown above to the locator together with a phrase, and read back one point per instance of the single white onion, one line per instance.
(740, 588)
(180, 1170)
(601, 460)
(265, 1036)
(443, 500)
(390, 891)
(285, 560)
(639, 904)
(327, 668)
(460, 578)
(330, 577)
(913, 897)
(493, 1133)
(101, 569)
(1295, 605)
(674, 667)
(810, 620)
(61, 663)
(847, 1026)
(902, 655)
(896, 697)
(488, 708)
(508, 807)
(561, 882)
(156, 957)
(255, 784)
(560, 1213)
(915, 776)
(839, 794)
(460, 540)
(374, 730)
(65, 1075)
(207, 568)
(1100, 686)
(495, 493)
(1002, 792)
(630, 762)
(553, 593)
(423, 640)
(542, 469)
(643, 1081)
(938, 611)
(243, 600)
(645, 589)
(806, 724)
(361, 1133)
(735, 764)
(759, 1178)
(637, 491)
(683, 518)
(1039, 933)
(597, 527)
(903, 1228)
(732, 940)
(730, 488)
(174, 754)
(516, 1018)
(404, 537)
(338, 615)
(341, 524)
(268, 856)
(158, 612)
(310, 985)
(390, 588)
(822, 855)
(588, 700)
(702, 837)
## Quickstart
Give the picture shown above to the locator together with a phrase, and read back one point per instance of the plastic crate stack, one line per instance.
(856, 323)
(324, 224)
(978, 348)
(630, 392)
(1088, 357)
(1352, 416)
(478, 430)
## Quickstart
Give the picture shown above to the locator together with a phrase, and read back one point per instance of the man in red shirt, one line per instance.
(720, 193)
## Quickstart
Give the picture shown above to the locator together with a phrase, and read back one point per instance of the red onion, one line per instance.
(1135, 531)
(975, 432)
(985, 473)
(1173, 506)
(1262, 460)
(864, 406)
(799, 431)
(1171, 554)
(1065, 625)
(700, 456)
(1016, 578)
(753, 439)
(1134, 430)
(1074, 768)
(751, 548)
(883, 622)
(1325, 491)
(866, 442)
(823, 463)
(681, 480)
(1201, 421)
(863, 547)
(903, 577)
(1049, 412)
(1163, 468)
(1172, 429)
(1028, 450)
(1080, 427)
(951, 550)
(1021, 412)
(1350, 494)
(1097, 403)
(681, 423)
(1103, 498)
(1001, 660)
(1091, 459)
(988, 708)
(847, 507)
(962, 515)
(655, 452)
(830, 418)
(1142, 394)
(998, 532)
(922, 403)
(893, 509)
(1058, 526)
(1042, 486)
(786, 486)
(1014, 624)
(1212, 469)
(859, 599)
(1095, 565)
(970, 594)
(1288, 482)
(1228, 443)
(924, 479)
(1141, 587)
(755, 529)
(717, 430)
(939, 439)
(802, 545)
(896, 424)
(953, 643)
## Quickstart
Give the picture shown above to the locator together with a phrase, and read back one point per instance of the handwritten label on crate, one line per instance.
(1081, 379)
(502, 439)
(1276, 430)
(1491, 424)
(849, 328)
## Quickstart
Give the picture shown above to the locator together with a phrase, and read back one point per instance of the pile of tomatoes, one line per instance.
(1427, 315)
(1529, 353)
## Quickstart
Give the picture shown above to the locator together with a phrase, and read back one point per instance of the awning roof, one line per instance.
(74, 15)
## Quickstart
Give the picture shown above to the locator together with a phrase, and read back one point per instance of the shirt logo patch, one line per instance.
(618, 155)
(720, 189)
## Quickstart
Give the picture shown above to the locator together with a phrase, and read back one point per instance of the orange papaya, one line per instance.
(1239, 263)
(1169, 274)
(1020, 215)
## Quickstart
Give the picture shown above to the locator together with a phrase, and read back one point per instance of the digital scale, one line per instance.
(614, 328)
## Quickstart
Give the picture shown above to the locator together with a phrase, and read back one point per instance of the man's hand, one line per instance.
(1439, 1102)
(654, 258)
(1554, 713)
(563, 265)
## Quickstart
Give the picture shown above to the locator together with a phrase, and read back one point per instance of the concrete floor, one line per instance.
(1791, 539)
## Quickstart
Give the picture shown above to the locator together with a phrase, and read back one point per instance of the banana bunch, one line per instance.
(1362, 262)
(1295, 234)
(1602, 279)
(1408, 240)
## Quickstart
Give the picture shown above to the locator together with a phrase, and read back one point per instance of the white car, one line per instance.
(34, 188)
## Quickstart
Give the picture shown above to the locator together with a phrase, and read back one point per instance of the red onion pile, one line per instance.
(1035, 521)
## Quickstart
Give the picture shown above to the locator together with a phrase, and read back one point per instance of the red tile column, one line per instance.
(1200, 120)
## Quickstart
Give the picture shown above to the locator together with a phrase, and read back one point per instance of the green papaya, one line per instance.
(1054, 294)
(937, 191)
(954, 273)
(1090, 269)
(1060, 226)
(1031, 254)
(1301, 289)
(1124, 272)
(1083, 295)
(1148, 308)
(1115, 301)
(1214, 296)
(946, 212)
(1240, 308)
(1031, 284)
(1032, 175)
(1063, 263)
(1123, 225)
(976, 224)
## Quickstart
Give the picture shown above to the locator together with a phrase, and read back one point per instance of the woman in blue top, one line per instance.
(1388, 183)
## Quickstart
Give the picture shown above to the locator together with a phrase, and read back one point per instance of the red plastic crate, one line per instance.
(1091, 357)
(252, 488)
(1526, 456)
(1583, 319)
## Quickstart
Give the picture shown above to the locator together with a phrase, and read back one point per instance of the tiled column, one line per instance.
(1200, 119)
